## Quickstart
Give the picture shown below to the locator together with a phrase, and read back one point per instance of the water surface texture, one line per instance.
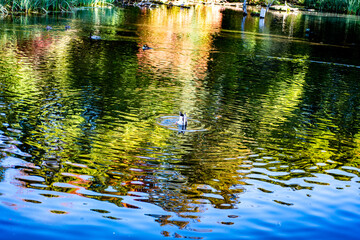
(89, 147)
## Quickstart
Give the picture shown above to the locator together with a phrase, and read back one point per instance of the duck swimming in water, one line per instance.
(182, 123)
(94, 37)
(182, 119)
(146, 47)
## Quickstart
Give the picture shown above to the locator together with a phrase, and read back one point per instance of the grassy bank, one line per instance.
(46, 5)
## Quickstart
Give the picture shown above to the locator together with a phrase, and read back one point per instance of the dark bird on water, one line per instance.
(94, 37)
(146, 47)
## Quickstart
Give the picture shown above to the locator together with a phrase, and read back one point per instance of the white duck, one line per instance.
(182, 119)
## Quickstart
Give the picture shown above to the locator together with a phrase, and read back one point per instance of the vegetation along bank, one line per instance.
(338, 6)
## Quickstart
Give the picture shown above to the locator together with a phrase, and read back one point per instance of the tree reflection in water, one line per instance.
(279, 122)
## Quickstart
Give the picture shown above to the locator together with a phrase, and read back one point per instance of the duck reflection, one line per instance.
(182, 129)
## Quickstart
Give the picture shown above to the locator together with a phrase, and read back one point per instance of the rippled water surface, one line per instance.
(90, 149)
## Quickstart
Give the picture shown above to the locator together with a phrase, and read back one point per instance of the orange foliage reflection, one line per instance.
(181, 38)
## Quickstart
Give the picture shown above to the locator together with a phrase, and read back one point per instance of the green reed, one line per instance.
(339, 6)
(353, 6)
(46, 5)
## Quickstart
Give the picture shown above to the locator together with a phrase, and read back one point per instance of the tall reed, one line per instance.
(47, 5)
(339, 6)
(353, 6)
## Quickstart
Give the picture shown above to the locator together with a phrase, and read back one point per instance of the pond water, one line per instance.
(88, 144)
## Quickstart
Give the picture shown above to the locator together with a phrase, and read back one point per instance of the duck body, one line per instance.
(182, 119)
(48, 28)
